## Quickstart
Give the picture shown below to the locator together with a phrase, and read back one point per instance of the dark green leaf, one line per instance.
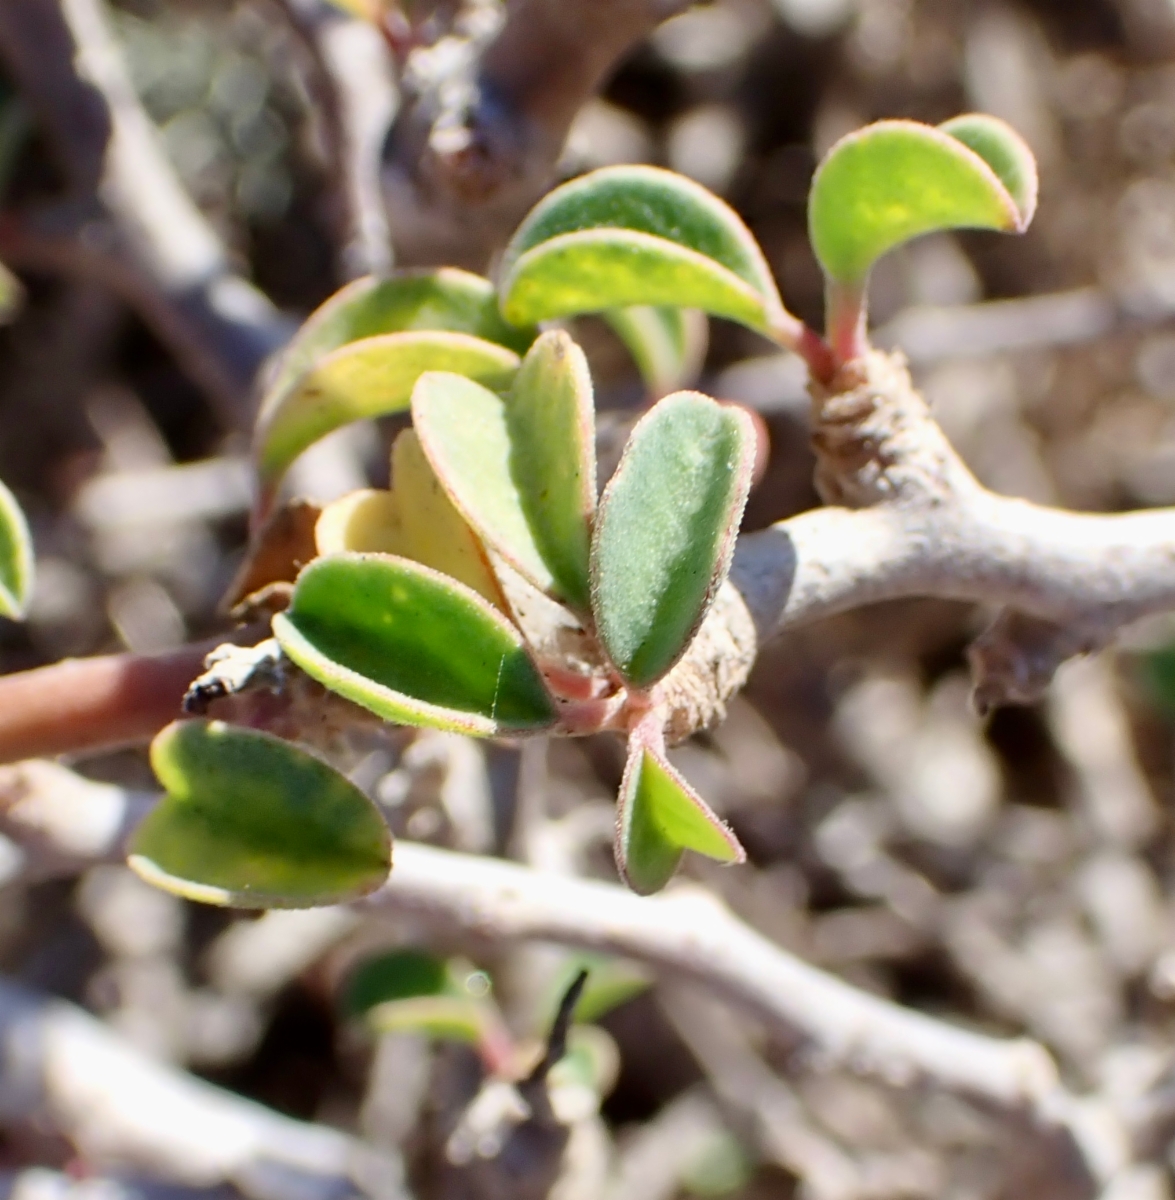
(637, 235)
(396, 975)
(660, 816)
(666, 528)
(521, 469)
(895, 180)
(411, 645)
(16, 558)
(253, 821)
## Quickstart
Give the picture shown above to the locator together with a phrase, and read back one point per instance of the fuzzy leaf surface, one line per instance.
(412, 645)
(667, 344)
(895, 180)
(636, 235)
(660, 817)
(367, 378)
(521, 468)
(16, 558)
(253, 821)
(665, 530)
(415, 520)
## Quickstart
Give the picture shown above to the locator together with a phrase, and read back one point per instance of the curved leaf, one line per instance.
(415, 520)
(411, 645)
(659, 817)
(367, 378)
(668, 345)
(253, 821)
(895, 180)
(666, 528)
(396, 975)
(451, 1018)
(637, 235)
(521, 468)
(1006, 152)
(16, 558)
(447, 300)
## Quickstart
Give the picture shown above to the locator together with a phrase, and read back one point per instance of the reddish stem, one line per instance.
(845, 321)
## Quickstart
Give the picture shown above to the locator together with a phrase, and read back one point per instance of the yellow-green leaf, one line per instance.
(16, 558)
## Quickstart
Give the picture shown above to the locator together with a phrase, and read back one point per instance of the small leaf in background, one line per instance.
(895, 180)
(451, 1018)
(444, 300)
(413, 646)
(521, 468)
(659, 817)
(665, 530)
(252, 821)
(11, 295)
(16, 558)
(368, 378)
(396, 975)
(415, 520)
(610, 983)
(716, 1165)
(668, 345)
(630, 235)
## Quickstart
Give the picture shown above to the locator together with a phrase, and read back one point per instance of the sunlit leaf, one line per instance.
(396, 975)
(659, 817)
(665, 530)
(630, 235)
(11, 295)
(667, 344)
(415, 520)
(367, 378)
(895, 180)
(16, 558)
(411, 645)
(450, 1018)
(521, 468)
(252, 821)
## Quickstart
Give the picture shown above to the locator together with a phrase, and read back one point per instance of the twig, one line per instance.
(120, 1107)
(147, 238)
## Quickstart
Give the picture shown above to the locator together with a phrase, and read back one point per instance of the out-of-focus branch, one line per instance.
(484, 120)
(62, 1067)
(908, 519)
(129, 221)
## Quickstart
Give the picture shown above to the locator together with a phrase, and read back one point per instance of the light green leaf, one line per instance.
(665, 530)
(411, 645)
(252, 821)
(16, 558)
(368, 378)
(1005, 151)
(637, 235)
(660, 816)
(521, 468)
(667, 344)
(610, 983)
(451, 1018)
(895, 180)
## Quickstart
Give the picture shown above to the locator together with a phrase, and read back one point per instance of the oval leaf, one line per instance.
(893, 181)
(415, 520)
(445, 300)
(637, 235)
(668, 345)
(521, 468)
(16, 558)
(659, 817)
(666, 528)
(255, 822)
(1005, 151)
(396, 975)
(368, 378)
(411, 645)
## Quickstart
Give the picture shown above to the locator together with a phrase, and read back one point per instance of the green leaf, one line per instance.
(666, 528)
(667, 344)
(521, 469)
(451, 1018)
(659, 817)
(895, 180)
(637, 235)
(397, 975)
(1005, 151)
(11, 295)
(610, 983)
(16, 558)
(252, 821)
(368, 378)
(411, 645)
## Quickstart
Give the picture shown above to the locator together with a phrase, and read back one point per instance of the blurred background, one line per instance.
(1014, 875)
